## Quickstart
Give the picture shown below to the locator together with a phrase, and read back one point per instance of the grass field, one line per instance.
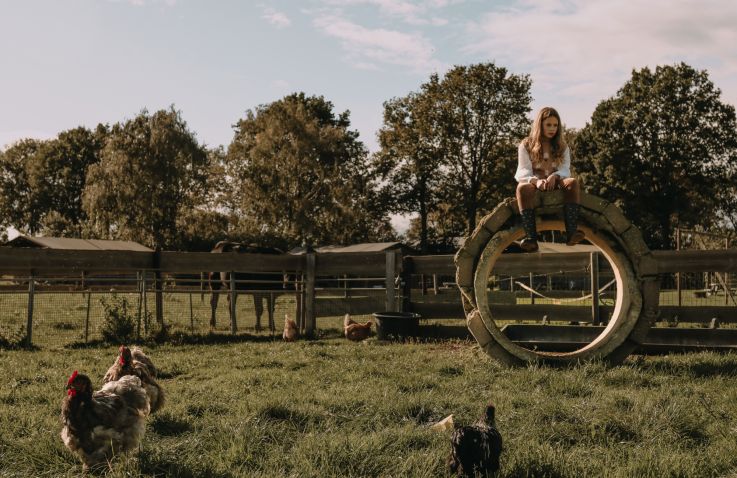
(331, 408)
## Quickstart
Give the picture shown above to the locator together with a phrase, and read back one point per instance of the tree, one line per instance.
(410, 156)
(58, 175)
(297, 172)
(484, 115)
(663, 148)
(43, 181)
(19, 204)
(205, 223)
(151, 171)
(454, 142)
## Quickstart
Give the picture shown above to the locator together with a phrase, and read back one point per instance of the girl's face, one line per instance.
(550, 127)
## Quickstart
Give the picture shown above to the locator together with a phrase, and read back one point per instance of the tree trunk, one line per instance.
(423, 227)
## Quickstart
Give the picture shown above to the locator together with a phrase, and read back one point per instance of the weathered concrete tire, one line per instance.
(607, 228)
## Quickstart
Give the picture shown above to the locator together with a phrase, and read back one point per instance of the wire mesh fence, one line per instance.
(358, 297)
(65, 310)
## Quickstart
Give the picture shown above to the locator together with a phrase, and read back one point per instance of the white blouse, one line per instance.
(525, 171)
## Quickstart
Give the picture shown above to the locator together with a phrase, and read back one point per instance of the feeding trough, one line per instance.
(396, 325)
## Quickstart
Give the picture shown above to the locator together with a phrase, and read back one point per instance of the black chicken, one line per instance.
(476, 448)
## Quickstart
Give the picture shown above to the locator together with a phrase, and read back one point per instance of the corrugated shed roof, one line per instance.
(365, 247)
(76, 244)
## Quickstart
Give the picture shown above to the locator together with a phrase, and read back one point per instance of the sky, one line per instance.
(67, 63)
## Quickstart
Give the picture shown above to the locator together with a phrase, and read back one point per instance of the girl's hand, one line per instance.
(552, 181)
(542, 184)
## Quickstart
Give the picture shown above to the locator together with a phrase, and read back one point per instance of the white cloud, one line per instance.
(368, 47)
(413, 13)
(276, 18)
(140, 3)
(588, 48)
(281, 85)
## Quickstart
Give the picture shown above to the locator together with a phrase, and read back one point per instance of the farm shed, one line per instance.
(360, 248)
(75, 244)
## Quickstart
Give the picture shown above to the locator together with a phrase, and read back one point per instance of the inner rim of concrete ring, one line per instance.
(619, 327)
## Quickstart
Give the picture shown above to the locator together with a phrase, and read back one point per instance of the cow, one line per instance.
(271, 281)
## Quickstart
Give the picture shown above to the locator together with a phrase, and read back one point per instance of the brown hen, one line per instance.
(355, 331)
(135, 362)
(290, 329)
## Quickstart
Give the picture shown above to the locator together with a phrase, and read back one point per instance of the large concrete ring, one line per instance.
(606, 227)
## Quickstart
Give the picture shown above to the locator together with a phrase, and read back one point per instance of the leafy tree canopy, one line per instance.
(453, 144)
(296, 171)
(152, 171)
(664, 148)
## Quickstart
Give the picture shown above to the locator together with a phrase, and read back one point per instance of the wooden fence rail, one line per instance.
(309, 268)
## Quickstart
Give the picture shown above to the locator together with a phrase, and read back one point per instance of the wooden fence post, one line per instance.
(389, 280)
(87, 318)
(309, 294)
(158, 288)
(678, 274)
(233, 326)
(532, 288)
(727, 290)
(29, 321)
(191, 315)
(145, 302)
(406, 283)
(139, 287)
(299, 296)
(595, 318)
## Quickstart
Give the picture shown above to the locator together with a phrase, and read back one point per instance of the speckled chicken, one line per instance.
(135, 362)
(290, 329)
(476, 448)
(355, 331)
(110, 421)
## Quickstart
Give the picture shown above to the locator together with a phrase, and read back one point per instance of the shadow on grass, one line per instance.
(167, 425)
(279, 413)
(429, 334)
(162, 466)
(180, 338)
(199, 411)
(692, 364)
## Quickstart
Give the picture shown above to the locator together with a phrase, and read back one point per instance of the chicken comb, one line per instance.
(71, 379)
(121, 351)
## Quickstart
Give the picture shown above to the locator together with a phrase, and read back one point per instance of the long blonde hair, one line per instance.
(533, 142)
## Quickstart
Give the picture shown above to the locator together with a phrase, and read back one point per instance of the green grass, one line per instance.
(330, 408)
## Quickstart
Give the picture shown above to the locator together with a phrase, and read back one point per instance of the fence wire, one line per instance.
(68, 311)
(73, 310)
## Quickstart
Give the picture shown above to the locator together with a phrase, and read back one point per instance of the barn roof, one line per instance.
(363, 247)
(366, 247)
(76, 244)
